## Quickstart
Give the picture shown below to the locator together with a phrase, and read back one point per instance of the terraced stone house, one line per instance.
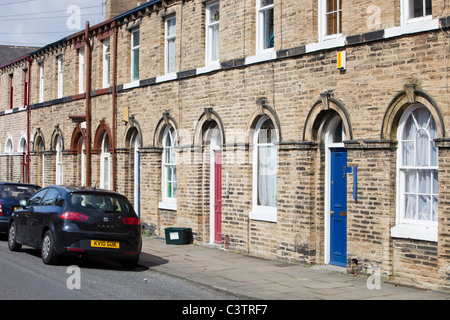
(308, 131)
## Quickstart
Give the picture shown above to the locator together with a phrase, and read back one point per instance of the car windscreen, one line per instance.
(98, 203)
(17, 191)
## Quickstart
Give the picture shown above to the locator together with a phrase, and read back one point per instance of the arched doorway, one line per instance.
(209, 134)
(328, 124)
(335, 193)
(103, 146)
(212, 150)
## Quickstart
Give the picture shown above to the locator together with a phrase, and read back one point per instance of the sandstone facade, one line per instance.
(391, 66)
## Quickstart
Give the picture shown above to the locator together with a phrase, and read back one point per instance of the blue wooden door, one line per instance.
(338, 208)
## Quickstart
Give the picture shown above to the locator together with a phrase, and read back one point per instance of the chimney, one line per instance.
(116, 7)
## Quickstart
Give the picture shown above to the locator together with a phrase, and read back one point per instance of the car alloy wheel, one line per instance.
(12, 240)
(48, 253)
(46, 247)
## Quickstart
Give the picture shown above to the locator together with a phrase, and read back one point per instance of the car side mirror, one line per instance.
(24, 203)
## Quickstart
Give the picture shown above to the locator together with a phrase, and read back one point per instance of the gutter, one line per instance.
(27, 56)
(129, 12)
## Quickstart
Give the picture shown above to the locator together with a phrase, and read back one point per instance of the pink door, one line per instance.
(218, 198)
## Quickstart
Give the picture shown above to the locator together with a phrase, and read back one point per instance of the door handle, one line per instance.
(332, 213)
(343, 213)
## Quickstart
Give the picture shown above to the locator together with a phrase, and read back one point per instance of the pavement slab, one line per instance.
(256, 278)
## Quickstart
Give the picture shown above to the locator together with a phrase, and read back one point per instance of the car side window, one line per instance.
(36, 199)
(51, 198)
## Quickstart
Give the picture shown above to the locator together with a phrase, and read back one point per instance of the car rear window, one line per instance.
(17, 191)
(98, 202)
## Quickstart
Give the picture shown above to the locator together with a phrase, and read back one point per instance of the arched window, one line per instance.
(105, 163)
(9, 146)
(39, 148)
(135, 144)
(83, 162)
(417, 175)
(169, 166)
(9, 160)
(59, 160)
(265, 165)
(22, 149)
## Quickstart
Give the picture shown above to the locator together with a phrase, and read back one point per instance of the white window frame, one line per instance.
(169, 133)
(212, 38)
(413, 228)
(135, 143)
(22, 147)
(259, 212)
(260, 29)
(106, 63)
(59, 161)
(323, 22)
(41, 82)
(135, 48)
(9, 145)
(9, 149)
(105, 164)
(81, 71)
(168, 54)
(83, 163)
(60, 77)
(406, 17)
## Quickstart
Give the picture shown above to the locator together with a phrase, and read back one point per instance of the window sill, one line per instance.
(266, 55)
(268, 214)
(328, 43)
(168, 205)
(166, 77)
(416, 232)
(132, 84)
(412, 26)
(209, 68)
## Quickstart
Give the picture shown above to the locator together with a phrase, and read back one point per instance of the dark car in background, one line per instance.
(66, 220)
(10, 195)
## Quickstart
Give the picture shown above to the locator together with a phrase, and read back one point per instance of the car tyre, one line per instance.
(48, 252)
(13, 245)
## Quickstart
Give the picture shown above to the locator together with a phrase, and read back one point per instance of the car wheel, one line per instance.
(48, 253)
(13, 245)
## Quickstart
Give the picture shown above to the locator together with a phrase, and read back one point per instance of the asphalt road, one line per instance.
(23, 276)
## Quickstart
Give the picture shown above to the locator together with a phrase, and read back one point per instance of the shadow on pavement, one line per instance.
(146, 260)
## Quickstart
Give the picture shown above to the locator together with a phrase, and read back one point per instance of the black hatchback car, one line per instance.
(63, 220)
(10, 195)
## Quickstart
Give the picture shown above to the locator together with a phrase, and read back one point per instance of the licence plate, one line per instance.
(105, 244)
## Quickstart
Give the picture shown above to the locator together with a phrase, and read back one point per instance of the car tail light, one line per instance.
(75, 216)
(1, 209)
(131, 221)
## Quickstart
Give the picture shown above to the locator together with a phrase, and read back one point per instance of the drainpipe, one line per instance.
(114, 106)
(88, 105)
(27, 157)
